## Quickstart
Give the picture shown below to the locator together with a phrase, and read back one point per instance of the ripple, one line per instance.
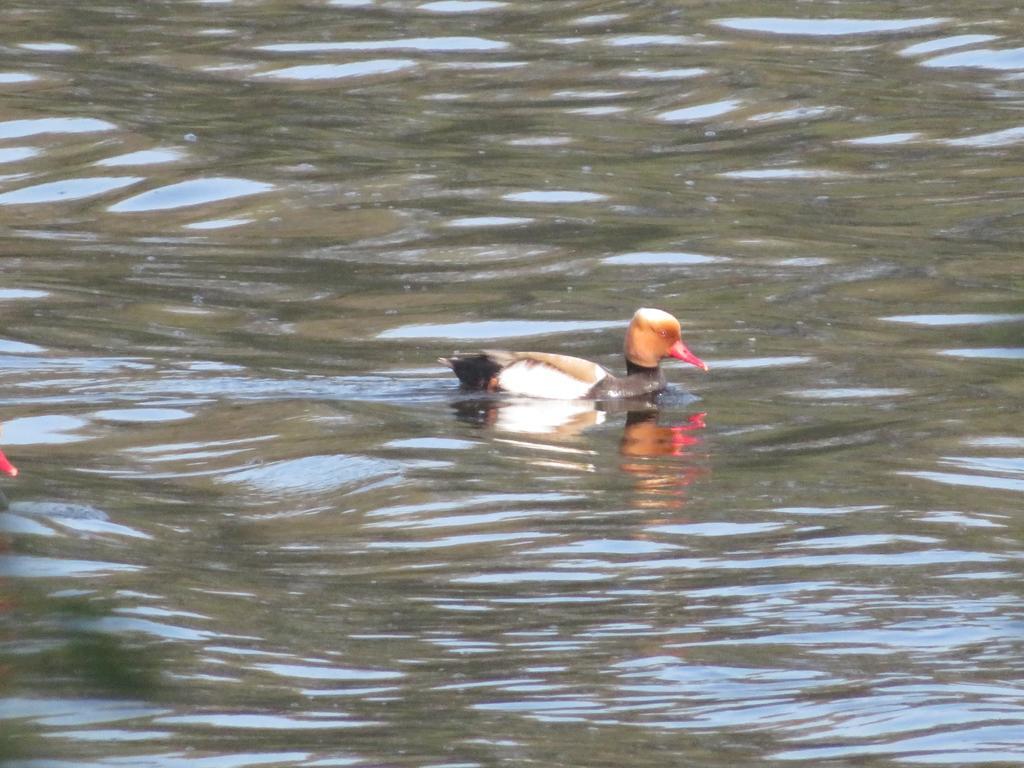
(175, 452)
(16, 129)
(70, 711)
(144, 157)
(777, 25)
(464, 540)
(716, 529)
(490, 221)
(16, 360)
(44, 430)
(997, 442)
(969, 481)
(850, 559)
(606, 110)
(829, 511)
(111, 735)
(761, 362)
(11, 347)
(16, 154)
(148, 610)
(599, 18)
(944, 43)
(796, 113)
(263, 722)
(783, 174)
(314, 474)
(684, 73)
(472, 66)
(804, 261)
(493, 329)
(607, 547)
(67, 189)
(540, 141)
(884, 139)
(700, 111)
(994, 353)
(992, 139)
(554, 196)
(524, 577)
(458, 512)
(240, 387)
(646, 41)
(846, 393)
(461, 6)
(433, 443)
(10, 78)
(218, 223)
(105, 527)
(339, 71)
(12, 523)
(77, 517)
(960, 519)
(189, 193)
(550, 709)
(119, 625)
(665, 258)
(982, 58)
(28, 566)
(955, 743)
(50, 47)
(311, 672)
(964, 318)
(1000, 464)
(22, 293)
(143, 415)
(449, 44)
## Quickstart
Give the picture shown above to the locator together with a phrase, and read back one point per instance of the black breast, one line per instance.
(640, 381)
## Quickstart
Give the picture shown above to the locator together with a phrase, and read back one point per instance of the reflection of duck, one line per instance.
(651, 336)
(661, 485)
(558, 418)
(663, 458)
(643, 436)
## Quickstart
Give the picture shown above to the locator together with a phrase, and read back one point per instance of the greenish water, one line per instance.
(258, 524)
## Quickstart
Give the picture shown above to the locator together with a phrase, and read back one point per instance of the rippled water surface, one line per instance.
(258, 524)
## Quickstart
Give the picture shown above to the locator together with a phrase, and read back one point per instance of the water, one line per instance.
(256, 522)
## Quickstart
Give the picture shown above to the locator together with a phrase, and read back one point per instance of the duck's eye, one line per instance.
(663, 333)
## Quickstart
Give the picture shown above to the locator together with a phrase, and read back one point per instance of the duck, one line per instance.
(653, 335)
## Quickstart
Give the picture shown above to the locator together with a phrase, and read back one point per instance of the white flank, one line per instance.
(531, 379)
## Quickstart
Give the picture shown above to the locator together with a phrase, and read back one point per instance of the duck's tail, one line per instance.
(474, 371)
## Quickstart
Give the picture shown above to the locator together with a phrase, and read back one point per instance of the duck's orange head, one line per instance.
(653, 335)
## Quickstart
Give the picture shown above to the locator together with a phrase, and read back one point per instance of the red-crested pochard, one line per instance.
(652, 335)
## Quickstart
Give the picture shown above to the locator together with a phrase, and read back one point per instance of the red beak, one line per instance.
(6, 467)
(680, 352)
